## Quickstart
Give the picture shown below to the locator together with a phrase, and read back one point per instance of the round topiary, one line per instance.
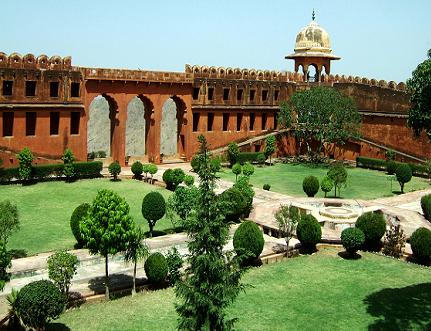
(78, 214)
(237, 170)
(352, 240)
(247, 169)
(39, 302)
(248, 240)
(426, 206)
(310, 185)
(167, 177)
(266, 187)
(189, 180)
(137, 169)
(326, 185)
(420, 242)
(308, 231)
(235, 204)
(153, 208)
(391, 167)
(373, 225)
(156, 268)
(404, 175)
(114, 169)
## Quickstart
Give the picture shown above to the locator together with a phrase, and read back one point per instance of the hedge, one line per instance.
(251, 157)
(378, 164)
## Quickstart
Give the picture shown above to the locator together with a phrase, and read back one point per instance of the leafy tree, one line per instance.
(284, 117)
(68, 159)
(25, 158)
(404, 175)
(244, 186)
(395, 241)
(326, 185)
(146, 170)
(9, 220)
(61, 269)
(5, 262)
(107, 228)
(247, 169)
(152, 169)
(182, 202)
(78, 214)
(287, 217)
(322, 114)
(137, 250)
(153, 209)
(419, 87)
(337, 173)
(175, 263)
(237, 170)
(232, 153)
(212, 278)
(39, 302)
(269, 147)
(114, 169)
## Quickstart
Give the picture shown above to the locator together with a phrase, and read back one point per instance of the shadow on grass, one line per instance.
(158, 233)
(403, 308)
(75, 300)
(57, 327)
(116, 282)
(18, 253)
(349, 256)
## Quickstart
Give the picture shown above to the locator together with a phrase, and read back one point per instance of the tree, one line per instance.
(232, 153)
(9, 220)
(428, 169)
(269, 147)
(153, 209)
(152, 169)
(175, 263)
(247, 169)
(5, 262)
(137, 250)
(419, 87)
(326, 185)
(404, 175)
(237, 169)
(284, 117)
(25, 158)
(61, 269)
(114, 169)
(287, 217)
(182, 202)
(394, 242)
(337, 173)
(321, 114)
(68, 159)
(212, 278)
(107, 228)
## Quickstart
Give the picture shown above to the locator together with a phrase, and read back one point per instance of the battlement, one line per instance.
(401, 86)
(29, 61)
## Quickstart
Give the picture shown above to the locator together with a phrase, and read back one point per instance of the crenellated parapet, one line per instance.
(29, 61)
(401, 86)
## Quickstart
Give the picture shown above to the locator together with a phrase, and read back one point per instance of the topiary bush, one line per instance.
(234, 204)
(352, 240)
(189, 180)
(266, 187)
(326, 185)
(232, 153)
(25, 158)
(78, 214)
(404, 175)
(420, 242)
(152, 169)
(261, 158)
(308, 232)
(237, 170)
(373, 225)
(39, 302)
(245, 188)
(247, 169)
(426, 206)
(137, 169)
(114, 169)
(391, 167)
(173, 177)
(248, 240)
(156, 268)
(153, 209)
(310, 185)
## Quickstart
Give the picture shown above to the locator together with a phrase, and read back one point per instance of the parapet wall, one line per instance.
(29, 61)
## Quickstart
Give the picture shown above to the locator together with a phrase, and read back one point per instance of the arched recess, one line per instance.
(172, 140)
(138, 124)
(101, 124)
(313, 73)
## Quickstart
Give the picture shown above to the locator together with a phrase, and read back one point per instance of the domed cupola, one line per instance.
(313, 48)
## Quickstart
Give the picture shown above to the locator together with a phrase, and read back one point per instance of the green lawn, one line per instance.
(45, 209)
(318, 292)
(361, 183)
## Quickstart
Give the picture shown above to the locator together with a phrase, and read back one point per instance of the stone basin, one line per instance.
(338, 212)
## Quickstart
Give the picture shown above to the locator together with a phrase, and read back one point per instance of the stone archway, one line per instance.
(171, 142)
(135, 128)
(101, 125)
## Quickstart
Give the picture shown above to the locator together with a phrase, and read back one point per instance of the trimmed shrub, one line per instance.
(62, 267)
(251, 157)
(266, 187)
(5, 263)
(373, 225)
(152, 169)
(352, 240)
(153, 208)
(7, 174)
(392, 166)
(420, 242)
(44, 171)
(237, 170)
(215, 163)
(370, 163)
(39, 302)
(114, 169)
(137, 169)
(234, 204)
(167, 178)
(78, 214)
(68, 159)
(173, 177)
(310, 185)
(261, 158)
(248, 240)
(156, 268)
(326, 185)
(232, 153)
(146, 170)
(426, 206)
(88, 169)
(189, 180)
(308, 232)
(247, 169)
(404, 175)
(25, 158)
(244, 187)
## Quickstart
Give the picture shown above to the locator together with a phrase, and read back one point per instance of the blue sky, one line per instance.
(383, 39)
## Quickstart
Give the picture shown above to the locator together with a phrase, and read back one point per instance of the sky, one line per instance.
(384, 39)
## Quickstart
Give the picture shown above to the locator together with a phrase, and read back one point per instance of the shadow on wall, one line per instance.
(406, 308)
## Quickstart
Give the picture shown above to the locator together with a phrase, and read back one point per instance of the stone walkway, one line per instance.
(89, 279)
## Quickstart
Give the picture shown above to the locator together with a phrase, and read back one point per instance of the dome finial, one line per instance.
(313, 16)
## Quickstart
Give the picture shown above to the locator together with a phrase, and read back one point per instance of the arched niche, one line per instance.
(139, 112)
(171, 144)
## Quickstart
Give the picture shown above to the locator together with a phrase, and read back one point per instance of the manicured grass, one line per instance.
(318, 292)
(45, 209)
(361, 183)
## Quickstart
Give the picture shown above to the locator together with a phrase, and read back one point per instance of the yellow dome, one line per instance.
(313, 38)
